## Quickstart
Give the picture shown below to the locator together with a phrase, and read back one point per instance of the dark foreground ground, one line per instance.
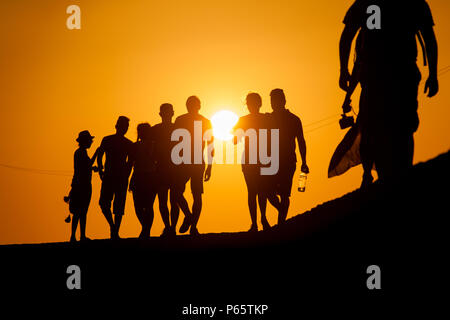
(317, 260)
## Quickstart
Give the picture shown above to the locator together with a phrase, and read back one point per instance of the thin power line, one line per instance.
(63, 173)
(322, 120)
(320, 127)
(441, 73)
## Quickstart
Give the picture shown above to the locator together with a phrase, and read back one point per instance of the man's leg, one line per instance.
(262, 201)
(366, 160)
(138, 208)
(83, 217)
(384, 147)
(106, 196)
(285, 180)
(251, 200)
(120, 196)
(403, 154)
(75, 219)
(250, 181)
(269, 192)
(163, 208)
(179, 186)
(274, 200)
(284, 208)
(117, 222)
(183, 205)
(197, 191)
(174, 211)
(196, 210)
(149, 214)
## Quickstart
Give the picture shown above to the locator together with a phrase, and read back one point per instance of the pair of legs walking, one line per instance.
(279, 195)
(194, 174)
(388, 112)
(114, 224)
(281, 203)
(255, 196)
(275, 189)
(170, 218)
(143, 205)
(79, 217)
(113, 188)
(190, 218)
(79, 201)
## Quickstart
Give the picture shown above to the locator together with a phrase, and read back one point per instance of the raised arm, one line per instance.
(432, 84)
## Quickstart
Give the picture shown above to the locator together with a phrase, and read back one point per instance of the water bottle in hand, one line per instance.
(302, 182)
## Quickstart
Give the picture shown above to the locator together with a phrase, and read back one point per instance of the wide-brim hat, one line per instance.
(84, 136)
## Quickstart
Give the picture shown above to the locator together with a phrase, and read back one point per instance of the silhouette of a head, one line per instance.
(277, 99)
(85, 139)
(166, 112)
(144, 131)
(254, 102)
(193, 104)
(122, 125)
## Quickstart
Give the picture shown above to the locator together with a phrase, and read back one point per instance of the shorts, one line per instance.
(80, 198)
(194, 173)
(143, 181)
(144, 190)
(254, 180)
(114, 188)
(165, 178)
(282, 181)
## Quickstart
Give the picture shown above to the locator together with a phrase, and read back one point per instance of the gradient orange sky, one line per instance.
(131, 56)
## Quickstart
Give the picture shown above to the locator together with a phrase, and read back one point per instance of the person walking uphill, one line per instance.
(291, 133)
(389, 76)
(115, 174)
(256, 183)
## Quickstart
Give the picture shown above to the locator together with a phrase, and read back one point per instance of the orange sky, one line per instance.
(131, 56)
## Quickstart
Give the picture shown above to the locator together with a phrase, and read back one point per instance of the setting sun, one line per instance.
(223, 123)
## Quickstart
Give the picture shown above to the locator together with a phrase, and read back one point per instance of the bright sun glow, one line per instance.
(223, 123)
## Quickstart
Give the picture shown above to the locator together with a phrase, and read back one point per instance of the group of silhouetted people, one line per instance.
(154, 172)
(275, 188)
(386, 69)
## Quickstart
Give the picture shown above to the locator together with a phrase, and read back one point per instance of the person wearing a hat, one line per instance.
(80, 195)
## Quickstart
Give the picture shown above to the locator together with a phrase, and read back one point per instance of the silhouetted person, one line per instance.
(256, 183)
(115, 174)
(366, 158)
(195, 172)
(166, 171)
(142, 182)
(389, 77)
(290, 131)
(81, 192)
